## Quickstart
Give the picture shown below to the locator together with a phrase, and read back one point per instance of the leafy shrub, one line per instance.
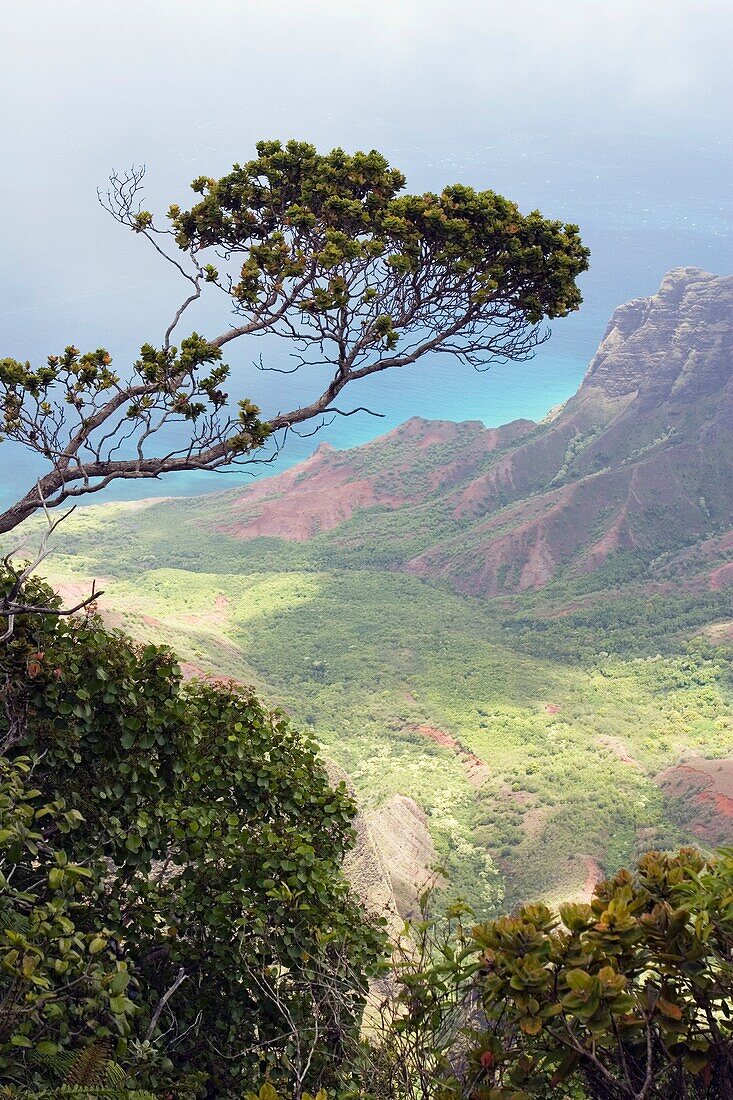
(630, 996)
(63, 987)
(220, 841)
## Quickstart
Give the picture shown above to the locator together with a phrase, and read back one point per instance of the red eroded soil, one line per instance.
(534, 821)
(73, 592)
(593, 875)
(440, 737)
(215, 616)
(577, 890)
(718, 633)
(518, 548)
(618, 748)
(617, 537)
(722, 577)
(708, 786)
(723, 803)
(330, 486)
(318, 509)
(477, 772)
(316, 496)
(191, 671)
(469, 455)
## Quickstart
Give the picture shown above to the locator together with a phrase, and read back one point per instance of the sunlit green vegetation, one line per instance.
(572, 714)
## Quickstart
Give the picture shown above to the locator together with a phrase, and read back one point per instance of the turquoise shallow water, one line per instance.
(641, 211)
(435, 390)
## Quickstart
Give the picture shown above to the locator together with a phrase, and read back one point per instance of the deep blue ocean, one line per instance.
(642, 210)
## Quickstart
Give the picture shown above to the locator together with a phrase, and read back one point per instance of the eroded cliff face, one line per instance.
(640, 459)
(393, 858)
(395, 471)
(678, 339)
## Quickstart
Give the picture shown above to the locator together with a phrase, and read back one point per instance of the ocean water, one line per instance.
(612, 116)
(641, 210)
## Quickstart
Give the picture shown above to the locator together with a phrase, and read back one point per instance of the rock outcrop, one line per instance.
(399, 828)
(393, 857)
(640, 460)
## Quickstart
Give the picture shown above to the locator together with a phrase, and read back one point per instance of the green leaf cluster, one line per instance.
(85, 377)
(216, 842)
(336, 225)
(628, 996)
(64, 984)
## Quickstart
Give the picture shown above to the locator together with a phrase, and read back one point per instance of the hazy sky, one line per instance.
(188, 87)
(614, 114)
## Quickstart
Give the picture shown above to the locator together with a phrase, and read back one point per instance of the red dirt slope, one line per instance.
(707, 789)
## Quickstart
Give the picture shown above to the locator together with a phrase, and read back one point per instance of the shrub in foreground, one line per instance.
(629, 997)
(209, 841)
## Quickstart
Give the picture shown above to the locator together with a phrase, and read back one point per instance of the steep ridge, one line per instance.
(640, 460)
(526, 743)
(394, 471)
(652, 422)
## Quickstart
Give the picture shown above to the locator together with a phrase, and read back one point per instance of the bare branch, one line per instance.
(12, 606)
(180, 979)
(354, 279)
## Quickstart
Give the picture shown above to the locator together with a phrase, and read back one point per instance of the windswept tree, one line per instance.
(327, 254)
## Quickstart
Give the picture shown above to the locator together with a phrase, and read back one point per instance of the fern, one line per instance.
(115, 1075)
(90, 1074)
(83, 1067)
(87, 1092)
(12, 919)
(54, 1067)
(90, 1065)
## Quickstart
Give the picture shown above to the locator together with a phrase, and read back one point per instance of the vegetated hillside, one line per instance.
(532, 741)
(569, 703)
(638, 461)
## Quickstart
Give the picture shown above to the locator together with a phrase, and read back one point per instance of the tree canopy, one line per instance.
(323, 252)
(181, 869)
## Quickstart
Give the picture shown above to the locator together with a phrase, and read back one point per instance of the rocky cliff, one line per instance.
(639, 461)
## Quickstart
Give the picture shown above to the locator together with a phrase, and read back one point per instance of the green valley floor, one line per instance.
(549, 737)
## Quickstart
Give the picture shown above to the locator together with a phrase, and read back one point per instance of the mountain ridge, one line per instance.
(569, 704)
(503, 510)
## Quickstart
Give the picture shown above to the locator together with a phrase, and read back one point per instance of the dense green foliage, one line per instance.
(575, 701)
(64, 985)
(335, 223)
(82, 691)
(212, 841)
(626, 998)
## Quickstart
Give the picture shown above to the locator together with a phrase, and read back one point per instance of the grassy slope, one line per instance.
(368, 657)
